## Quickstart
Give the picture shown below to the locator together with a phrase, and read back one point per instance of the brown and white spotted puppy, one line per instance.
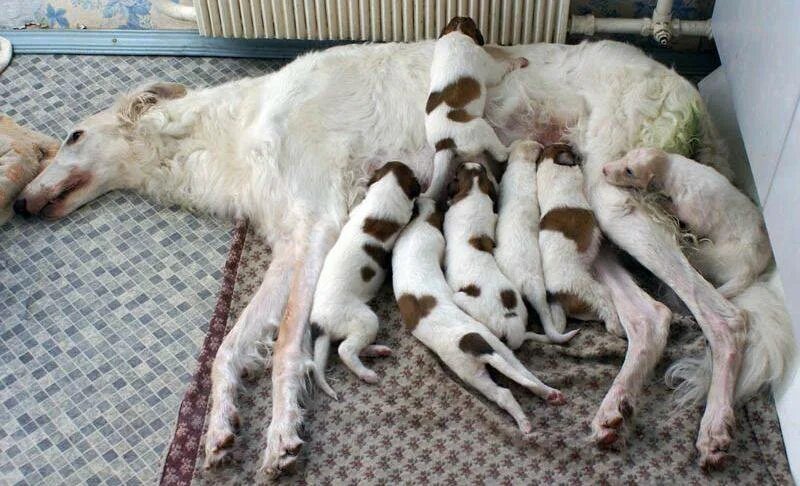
(23, 154)
(461, 72)
(354, 270)
(463, 344)
(481, 289)
(569, 240)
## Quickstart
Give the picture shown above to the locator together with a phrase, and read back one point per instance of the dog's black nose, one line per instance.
(21, 207)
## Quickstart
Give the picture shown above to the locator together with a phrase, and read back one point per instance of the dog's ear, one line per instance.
(561, 154)
(134, 105)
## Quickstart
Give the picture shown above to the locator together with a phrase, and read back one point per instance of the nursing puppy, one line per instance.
(710, 206)
(463, 344)
(481, 289)
(517, 252)
(354, 271)
(461, 72)
(569, 240)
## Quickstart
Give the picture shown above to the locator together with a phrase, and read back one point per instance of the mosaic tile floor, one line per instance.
(102, 313)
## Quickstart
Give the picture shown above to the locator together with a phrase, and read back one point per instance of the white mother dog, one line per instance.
(286, 149)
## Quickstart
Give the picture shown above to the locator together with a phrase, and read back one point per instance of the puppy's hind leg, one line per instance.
(482, 382)
(504, 361)
(364, 328)
(239, 352)
(599, 298)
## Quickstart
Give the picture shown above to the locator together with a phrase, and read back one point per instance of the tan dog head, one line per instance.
(98, 155)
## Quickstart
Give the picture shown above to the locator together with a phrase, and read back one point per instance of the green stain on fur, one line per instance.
(674, 131)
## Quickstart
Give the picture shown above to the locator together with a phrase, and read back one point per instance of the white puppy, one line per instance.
(517, 252)
(569, 240)
(354, 271)
(481, 289)
(461, 71)
(710, 206)
(463, 344)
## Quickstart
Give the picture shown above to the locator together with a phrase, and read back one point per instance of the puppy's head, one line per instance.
(466, 26)
(468, 175)
(638, 168)
(560, 154)
(403, 174)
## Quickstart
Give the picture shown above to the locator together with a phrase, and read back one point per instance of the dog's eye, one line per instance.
(74, 137)
(628, 172)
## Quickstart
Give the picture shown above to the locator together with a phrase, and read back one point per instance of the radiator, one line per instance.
(502, 22)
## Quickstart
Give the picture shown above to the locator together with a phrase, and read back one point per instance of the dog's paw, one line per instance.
(283, 448)
(714, 438)
(220, 439)
(610, 423)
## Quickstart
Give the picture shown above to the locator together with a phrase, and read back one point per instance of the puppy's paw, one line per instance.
(376, 351)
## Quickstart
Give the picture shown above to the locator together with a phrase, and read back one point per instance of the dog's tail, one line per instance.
(322, 347)
(769, 348)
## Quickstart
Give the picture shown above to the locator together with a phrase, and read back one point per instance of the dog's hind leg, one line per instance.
(291, 354)
(724, 326)
(646, 324)
(239, 352)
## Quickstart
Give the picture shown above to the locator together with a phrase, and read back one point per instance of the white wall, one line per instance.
(758, 44)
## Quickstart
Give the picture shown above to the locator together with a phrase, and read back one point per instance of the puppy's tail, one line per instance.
(769, 349)
(545, 319)
(322, 347)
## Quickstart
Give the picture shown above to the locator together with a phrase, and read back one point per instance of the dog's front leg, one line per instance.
(291, 356)
(242, 349)
(646, 323)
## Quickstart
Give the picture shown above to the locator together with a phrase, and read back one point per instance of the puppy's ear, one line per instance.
(469, 28)
(167, 91)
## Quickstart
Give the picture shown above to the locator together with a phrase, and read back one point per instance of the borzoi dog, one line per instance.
(481, 289)
(429, 313)
(461, 72)
(286, 149)
(354, 271)
(569, 239)
(710, 206)
(517, 251)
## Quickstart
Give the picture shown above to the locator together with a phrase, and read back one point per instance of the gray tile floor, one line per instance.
(102, 313)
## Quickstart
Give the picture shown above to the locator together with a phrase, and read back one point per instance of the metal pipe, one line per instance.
(590, 25)
(184, 13)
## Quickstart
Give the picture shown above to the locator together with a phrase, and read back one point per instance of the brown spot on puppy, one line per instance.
(576, 224)
(561, 154)
(474, 344)
(382, 257)
(445, 144)
(461, 186)
(460, 115)
(367, 273)
(472, 290)
(404, 175)
(509, 298)
(572, 304)
(413, 309)
(456, 94)
(482, 243)
(466, 26)
(381, 229)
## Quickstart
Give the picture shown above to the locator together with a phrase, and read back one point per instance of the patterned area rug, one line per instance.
(101, 314)
(419, 425)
